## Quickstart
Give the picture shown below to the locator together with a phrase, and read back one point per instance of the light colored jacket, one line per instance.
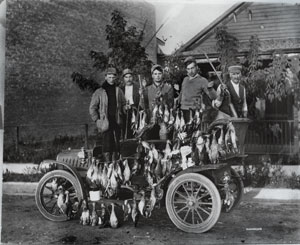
(99, 104)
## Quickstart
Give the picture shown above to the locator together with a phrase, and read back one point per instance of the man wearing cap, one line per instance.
(236, 95)
(156, 90)
(132, 97)
(195, 90)
(109, 99)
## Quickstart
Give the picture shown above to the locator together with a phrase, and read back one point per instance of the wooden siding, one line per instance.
(273, 22)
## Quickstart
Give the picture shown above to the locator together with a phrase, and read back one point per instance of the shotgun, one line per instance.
(230, 104)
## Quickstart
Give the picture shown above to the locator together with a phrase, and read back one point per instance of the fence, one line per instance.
(15, 134)
(263, 137)
(272, 137)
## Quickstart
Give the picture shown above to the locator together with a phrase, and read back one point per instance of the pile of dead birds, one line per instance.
(191, 146)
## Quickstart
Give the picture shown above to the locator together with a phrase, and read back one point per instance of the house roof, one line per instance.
(276, 25)
(207, 29)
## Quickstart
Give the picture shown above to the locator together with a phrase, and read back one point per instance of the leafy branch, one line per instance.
(125, 50)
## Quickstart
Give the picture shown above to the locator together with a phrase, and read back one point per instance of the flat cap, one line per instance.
(156, 67)
(235, 68)
(111, 70)
(189, 59)
(126, 71)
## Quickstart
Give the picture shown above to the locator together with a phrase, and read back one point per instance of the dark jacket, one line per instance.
(99, 103)
(236, 100)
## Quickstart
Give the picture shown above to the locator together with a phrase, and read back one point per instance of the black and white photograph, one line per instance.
(149, 122)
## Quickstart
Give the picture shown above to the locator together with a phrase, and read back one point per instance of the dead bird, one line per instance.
(142, 203)
(182, 122)
(221, 142)
(134, 212)
(154, 114)
(177, 121)
(171, 118)
(54, 185)
(113, 220)
(103, 219)
(63, 200)
(126, 172)
(85, 215)
(94, 216)
(233, 137)
(126, 209)
(214, 149)
(166, 114)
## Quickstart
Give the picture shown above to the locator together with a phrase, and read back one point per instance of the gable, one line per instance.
(276, 25)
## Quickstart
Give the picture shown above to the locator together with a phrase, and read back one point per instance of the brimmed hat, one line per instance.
(156, 67)
(235, 68)
(126, 71)
(111, 70)
(189, 59)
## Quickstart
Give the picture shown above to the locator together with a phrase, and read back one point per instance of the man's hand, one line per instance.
(223, 86)
(141, 91)
(127, 107)
(218, 103)
(245, 114)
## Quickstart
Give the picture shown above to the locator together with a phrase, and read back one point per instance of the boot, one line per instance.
(106, 156)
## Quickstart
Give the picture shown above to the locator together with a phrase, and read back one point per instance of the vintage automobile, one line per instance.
(194, 196)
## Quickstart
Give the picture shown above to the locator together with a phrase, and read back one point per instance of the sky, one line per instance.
(181, 20)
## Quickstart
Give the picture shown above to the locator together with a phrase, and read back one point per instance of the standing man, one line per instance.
(110, 101)
(195, 90)
(232, 93)
(154, 91)
(158, 89)
(132, 97)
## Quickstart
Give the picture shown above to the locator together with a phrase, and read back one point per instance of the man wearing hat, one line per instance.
(132, 97)
(236, 95)
(194, 91)
(109, 101)
(156, 90)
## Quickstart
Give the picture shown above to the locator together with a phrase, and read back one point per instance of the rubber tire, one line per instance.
(216, 199)
(44, 179)
(241, 187)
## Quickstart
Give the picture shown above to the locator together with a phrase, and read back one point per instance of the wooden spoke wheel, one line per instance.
(46, 194)
(193, 203)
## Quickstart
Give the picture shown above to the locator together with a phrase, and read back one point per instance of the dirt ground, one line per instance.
(252, 222)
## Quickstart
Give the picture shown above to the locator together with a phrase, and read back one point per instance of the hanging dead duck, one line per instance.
(94, 216)
(63, 200)
(85, 215)
(214, 150)
(134, 212)
(126, 209)
(113, 220)
(126, 173)
(142, 203)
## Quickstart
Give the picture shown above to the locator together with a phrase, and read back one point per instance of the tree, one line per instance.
(125, 51)
(279, 79)
(227, 46)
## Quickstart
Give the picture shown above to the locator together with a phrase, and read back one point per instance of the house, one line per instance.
(277, 27)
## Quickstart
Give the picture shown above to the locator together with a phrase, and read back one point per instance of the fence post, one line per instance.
(86, 135)
(17, 138)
